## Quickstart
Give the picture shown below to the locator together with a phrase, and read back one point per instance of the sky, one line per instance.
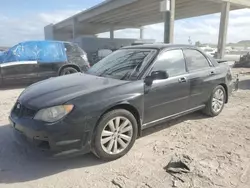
(25, 20)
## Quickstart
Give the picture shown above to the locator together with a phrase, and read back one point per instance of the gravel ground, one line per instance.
(219, 147)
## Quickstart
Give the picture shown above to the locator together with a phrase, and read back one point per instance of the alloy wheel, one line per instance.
(218, 100)
(116, 135)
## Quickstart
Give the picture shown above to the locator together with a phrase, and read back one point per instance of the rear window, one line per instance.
(195, 60)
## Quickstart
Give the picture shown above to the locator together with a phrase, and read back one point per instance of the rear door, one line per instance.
(170, 96)
(19, 65)
(202, 76)
(51, 58)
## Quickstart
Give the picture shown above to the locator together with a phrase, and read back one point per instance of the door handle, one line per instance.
(181, 80)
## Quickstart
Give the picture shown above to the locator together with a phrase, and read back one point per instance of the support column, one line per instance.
(112, 33)
(141, 32)
(74, 24)
(223, 29)
(49, 32)
(168, 8)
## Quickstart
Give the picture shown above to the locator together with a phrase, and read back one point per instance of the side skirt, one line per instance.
(158, 121)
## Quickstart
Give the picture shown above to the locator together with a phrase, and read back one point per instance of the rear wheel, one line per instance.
(115, 134)
(68, 70)
(216, 102)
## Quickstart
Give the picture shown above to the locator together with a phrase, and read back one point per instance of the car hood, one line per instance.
(56, 91)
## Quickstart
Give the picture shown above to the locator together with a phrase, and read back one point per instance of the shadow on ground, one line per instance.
(244, 84)
(20, 164)
(160, 127)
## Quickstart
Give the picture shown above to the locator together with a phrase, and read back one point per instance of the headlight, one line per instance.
(53, 114)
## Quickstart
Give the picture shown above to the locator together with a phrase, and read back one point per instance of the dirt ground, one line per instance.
(219, 147)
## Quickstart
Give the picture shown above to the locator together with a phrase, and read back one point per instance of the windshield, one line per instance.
(122, 64)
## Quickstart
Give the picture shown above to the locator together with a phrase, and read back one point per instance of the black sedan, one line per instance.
(105, 109)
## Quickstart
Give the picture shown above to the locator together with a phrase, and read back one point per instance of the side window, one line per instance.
(51, 52)
(73, 49)
(22, 52)
(171, 61)
(195, 60)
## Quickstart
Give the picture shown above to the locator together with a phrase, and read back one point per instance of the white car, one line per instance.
(210, 51)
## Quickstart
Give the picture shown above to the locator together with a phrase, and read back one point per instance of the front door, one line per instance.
(168, 97)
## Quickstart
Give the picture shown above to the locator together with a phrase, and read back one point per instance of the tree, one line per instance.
(198, 43)
(189, 40)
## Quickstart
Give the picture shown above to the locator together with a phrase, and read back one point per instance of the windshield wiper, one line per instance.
(126, 75)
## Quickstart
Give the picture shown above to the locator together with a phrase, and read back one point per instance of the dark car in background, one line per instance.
(105, 109)
(31, 61)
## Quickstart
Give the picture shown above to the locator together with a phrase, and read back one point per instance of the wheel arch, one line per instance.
(69, 65)
(128, 107)
(226, 89)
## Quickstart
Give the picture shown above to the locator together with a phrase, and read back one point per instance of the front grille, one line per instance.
(20, 110)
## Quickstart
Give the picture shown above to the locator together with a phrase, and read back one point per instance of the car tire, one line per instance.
(110, 142)
(68, 70)
(216, 102)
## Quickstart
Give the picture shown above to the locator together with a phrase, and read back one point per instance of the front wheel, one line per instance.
(115, 134)
(216, 102)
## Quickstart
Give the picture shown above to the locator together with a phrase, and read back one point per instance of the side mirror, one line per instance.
(156, 75)
(159, 75)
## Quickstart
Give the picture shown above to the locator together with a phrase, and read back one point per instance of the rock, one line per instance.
(244, 176)
(155, 148)
(174, 183)
(116, 183)
(232, 182)
(179, 164)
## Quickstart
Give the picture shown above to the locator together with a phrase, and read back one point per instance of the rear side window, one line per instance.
(195, 60)
(171, 61)
(73, 49)
(51, 52)
(76, 55)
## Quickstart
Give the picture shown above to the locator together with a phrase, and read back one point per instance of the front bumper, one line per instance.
(59, 139)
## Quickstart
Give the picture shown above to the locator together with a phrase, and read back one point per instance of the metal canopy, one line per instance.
(121, 14)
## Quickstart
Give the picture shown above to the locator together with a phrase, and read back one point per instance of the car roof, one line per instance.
(159, 46)
(54, 41)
